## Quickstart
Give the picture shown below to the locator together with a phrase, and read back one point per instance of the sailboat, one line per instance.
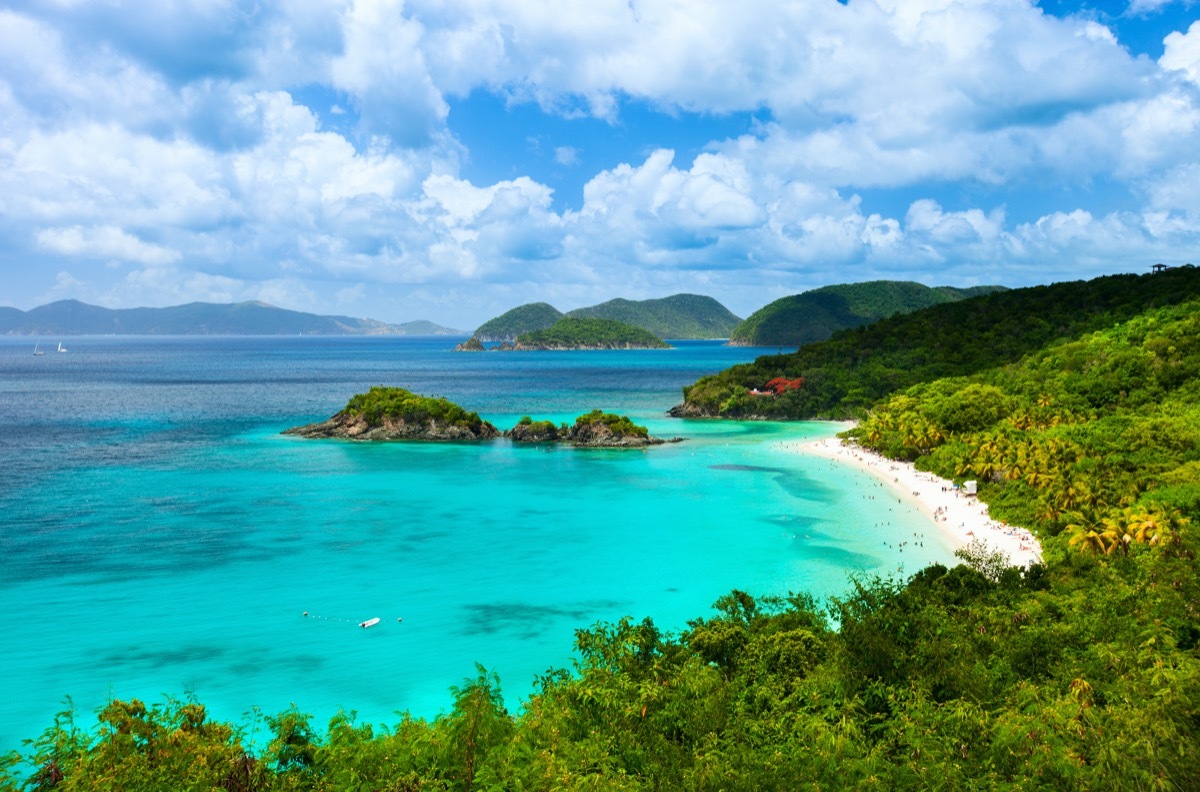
(36, 351)
(61, 348)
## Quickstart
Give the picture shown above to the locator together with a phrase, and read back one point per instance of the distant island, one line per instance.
(391, 413)
(71, 317)
(570, 333)
(678, 316)
(816, 315)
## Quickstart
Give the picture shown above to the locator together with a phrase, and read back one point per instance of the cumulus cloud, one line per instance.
(177, 146)
(1181, 53)
(104, 242)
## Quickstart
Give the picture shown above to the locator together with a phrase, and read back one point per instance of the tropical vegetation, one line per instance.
(817, 314)
(522, 319)
(854, 369)
(382, 403)
(617, 424)
(1082, 674)
(570, 333)
(677, 316)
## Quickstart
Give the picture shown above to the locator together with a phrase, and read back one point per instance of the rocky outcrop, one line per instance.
(536, 432)
(689, 410)
(599, 435)
(347, 426)
(472, 344)
(592, 430)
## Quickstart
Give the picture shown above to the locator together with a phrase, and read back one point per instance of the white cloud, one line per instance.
(199, 168)
(1181, 52)
(383, 69)
(104, 242)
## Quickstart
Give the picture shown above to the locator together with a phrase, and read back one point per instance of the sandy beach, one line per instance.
(961, 518)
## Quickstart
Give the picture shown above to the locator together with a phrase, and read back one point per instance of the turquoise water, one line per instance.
(159, 536)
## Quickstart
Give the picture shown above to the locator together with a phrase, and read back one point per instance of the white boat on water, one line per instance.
(369, 623)
(61, 348)
(37, 352)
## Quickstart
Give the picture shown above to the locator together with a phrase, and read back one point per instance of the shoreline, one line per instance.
(960, 518)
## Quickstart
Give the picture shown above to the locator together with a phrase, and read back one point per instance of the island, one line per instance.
(596, 429)
(678, 316)
(570, 333)
(387, 413)
(390, 413)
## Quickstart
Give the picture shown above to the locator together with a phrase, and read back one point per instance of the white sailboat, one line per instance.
(36, 351)
(61, 348)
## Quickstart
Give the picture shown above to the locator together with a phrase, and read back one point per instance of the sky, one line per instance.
(451, 159)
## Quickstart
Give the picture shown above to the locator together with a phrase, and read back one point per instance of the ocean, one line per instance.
(160, 537)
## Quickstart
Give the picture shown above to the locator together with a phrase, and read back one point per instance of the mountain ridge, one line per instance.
(72, 317)
(677, 316)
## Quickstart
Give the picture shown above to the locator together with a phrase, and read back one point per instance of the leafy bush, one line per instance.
(399, 404)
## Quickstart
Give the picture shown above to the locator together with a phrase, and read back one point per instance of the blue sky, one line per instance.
(449, 159)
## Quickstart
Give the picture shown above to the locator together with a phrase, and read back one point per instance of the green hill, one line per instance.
(816, 315)
(677, 316)
(522, 319)
(847, 373)
(572, 333)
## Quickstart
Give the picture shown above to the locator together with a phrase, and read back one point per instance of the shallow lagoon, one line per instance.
(159, 536)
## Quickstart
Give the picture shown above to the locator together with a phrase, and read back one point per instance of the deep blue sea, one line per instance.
(158, 536)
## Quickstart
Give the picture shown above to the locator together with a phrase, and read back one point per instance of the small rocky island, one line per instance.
(397, 414)
(571, 333)
(384, 413)
(596, 429)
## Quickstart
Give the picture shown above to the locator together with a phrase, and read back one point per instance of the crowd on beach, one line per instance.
(960, 516)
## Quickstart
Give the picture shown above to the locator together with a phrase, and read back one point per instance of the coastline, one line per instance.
(960, 518)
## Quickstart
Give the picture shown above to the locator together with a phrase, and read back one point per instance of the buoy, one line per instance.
(400, 619)
(305, 613)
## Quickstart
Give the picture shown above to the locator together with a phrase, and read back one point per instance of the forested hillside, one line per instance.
(854, 369)
(1080, 674)
(677, 316)
(816, 315)
(572, 333)
(522, 319)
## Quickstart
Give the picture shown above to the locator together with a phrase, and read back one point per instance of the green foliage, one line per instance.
(572, 333)
(816, 315)
(1080, 674)
(846, 374)
(619, 424)
(522, 319)
(677, 316)
(399, 404)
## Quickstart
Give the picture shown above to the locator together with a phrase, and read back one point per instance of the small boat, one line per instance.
(61, 348)
(369, 623)
(37, 352)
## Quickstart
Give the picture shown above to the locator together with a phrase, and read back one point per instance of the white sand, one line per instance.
(961, 518)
